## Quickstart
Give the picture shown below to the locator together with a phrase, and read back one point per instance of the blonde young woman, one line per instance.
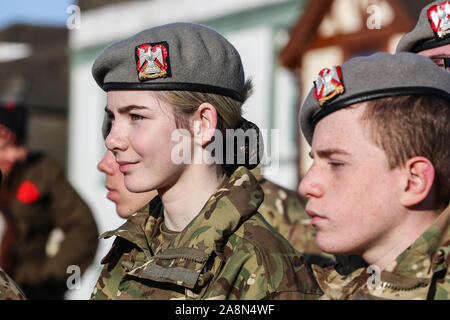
(202, 236)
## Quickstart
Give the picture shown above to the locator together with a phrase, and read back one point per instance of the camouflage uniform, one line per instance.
(228, 251)
(40, 199)
(284, 209)
(8, 288)
(420, 272)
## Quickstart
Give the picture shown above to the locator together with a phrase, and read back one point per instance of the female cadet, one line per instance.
(202, 237)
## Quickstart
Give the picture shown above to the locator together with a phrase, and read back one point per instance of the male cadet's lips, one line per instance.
(315, 218)
(125, 166)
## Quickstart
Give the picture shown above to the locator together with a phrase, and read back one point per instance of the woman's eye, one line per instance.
(135, 117)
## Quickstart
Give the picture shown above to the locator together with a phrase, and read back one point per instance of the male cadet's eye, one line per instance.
(336, 164)
(442, 62)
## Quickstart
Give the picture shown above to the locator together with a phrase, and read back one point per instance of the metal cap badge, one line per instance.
(153, 60)
(439, 16)
(328, 84)
(432, 29)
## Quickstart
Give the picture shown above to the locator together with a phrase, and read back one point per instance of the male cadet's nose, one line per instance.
(309, 186)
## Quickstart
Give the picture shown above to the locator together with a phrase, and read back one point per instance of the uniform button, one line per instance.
(438, 257)
(128, 265)
(203, 279)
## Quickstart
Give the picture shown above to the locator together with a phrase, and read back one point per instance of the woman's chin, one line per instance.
(138, 186)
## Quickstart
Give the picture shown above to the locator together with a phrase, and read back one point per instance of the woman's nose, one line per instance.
(115, 141)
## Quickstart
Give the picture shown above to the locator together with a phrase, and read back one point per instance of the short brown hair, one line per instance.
(413, 125)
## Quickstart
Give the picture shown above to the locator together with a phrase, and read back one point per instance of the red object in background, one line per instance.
(27, 192)
(10, 105)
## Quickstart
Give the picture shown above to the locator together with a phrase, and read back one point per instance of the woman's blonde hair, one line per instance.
(229, 116)
(185, 103)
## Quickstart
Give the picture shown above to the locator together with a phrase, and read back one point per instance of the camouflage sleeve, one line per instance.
(9, 289)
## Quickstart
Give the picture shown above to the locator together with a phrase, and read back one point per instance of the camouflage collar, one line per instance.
(133, 230)
(235, 200)
(421, 257)
(408, 277)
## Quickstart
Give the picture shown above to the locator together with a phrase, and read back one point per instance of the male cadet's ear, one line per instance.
(419, 179)
(205, 123)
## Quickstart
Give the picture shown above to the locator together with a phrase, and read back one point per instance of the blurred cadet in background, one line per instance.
(431, 36)
(54, 226)
(8, 288)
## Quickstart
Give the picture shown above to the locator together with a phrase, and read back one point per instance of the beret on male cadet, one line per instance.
(177, 56)
(365, 78)
(432, 29)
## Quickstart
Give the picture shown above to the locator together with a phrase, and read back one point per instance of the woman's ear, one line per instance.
(205, 123)
(419, 175)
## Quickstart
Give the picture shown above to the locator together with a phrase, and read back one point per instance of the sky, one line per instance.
(44, 12)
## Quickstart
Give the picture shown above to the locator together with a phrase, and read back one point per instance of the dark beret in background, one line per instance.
(366, 78)
(423, 37)
(177, 56)
(13, 122)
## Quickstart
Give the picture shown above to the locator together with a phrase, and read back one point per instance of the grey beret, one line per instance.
(365, 78)
(430, 31)
(177, 56)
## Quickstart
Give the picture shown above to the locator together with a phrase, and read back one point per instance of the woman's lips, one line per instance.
(125, 166)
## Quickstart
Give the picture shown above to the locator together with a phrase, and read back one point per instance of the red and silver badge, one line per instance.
(152, 60)
(328, 84)
(439, 16)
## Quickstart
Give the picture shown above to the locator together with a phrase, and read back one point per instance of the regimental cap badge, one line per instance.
(328, 84)
(439, 16)
(153, 61)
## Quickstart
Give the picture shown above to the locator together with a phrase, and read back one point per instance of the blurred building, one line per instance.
(332, 31)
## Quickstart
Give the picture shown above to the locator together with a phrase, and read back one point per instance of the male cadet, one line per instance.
(379, 186)
(8, 288)
(431, 36)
